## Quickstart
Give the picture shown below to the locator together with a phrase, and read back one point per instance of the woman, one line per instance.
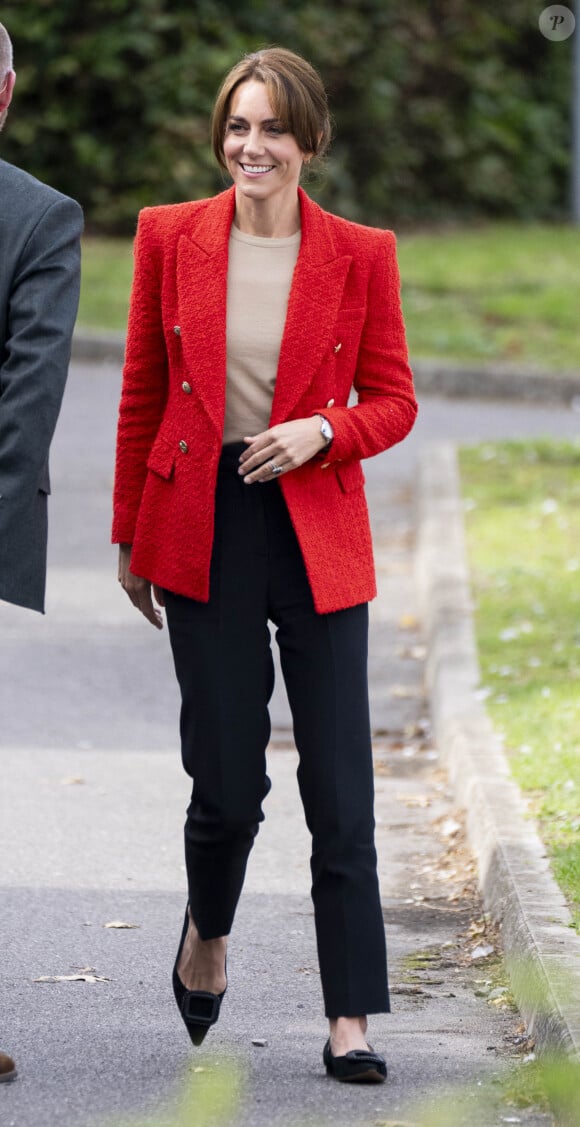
(239, 499)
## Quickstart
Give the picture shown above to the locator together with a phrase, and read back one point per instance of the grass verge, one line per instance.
(499, 292)
(522, 503)
(107, 269)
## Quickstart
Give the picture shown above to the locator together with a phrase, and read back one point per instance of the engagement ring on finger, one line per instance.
(275, 469)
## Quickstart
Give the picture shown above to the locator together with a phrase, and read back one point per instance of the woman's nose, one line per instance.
(254, 143)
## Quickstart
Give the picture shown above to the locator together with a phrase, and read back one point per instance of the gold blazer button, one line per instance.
(186, 387)
(177, 330)
(183, 446)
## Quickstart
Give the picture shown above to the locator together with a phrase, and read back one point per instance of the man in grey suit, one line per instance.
(39, 291)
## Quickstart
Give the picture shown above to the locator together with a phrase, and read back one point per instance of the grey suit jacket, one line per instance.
(39, 291)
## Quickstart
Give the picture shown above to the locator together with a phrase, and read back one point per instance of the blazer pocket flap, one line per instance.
(161, 460)
(351, 314)
(350, 476)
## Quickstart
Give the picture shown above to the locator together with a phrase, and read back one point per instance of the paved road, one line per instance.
(91, 807)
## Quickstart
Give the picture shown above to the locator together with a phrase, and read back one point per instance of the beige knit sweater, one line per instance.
(259, 279)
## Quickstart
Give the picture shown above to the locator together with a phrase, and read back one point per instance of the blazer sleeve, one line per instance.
(42, 309)
(145, 381)
(386, 407)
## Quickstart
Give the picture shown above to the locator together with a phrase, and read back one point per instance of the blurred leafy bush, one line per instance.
(443, 110)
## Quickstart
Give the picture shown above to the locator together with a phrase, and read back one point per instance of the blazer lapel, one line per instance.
(315, 298)
(202, 275)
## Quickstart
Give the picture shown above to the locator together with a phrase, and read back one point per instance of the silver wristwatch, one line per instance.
(326, 430)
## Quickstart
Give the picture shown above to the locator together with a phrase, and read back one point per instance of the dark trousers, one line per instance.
(226, 675)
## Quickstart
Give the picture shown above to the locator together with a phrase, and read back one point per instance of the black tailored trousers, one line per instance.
(225, 671)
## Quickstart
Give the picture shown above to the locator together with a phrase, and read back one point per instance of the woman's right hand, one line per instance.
(139, 589)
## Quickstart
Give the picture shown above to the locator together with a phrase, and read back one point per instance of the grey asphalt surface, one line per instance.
(91, 809)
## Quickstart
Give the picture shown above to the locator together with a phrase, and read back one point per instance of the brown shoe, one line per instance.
(7, 1068)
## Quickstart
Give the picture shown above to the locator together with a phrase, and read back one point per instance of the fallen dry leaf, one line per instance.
(421, 729)
(408, 622)
(450, 828)
(446, 874)
(482, 952)
(120, 925)
(84, 976)
(392, 1123)
(412, 991)
(420, 800)
(415, 653)
(72, 781)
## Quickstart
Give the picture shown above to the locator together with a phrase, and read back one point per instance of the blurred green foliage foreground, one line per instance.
(491, 292)
(443, 109)
(214, 1091)
(210, 1097)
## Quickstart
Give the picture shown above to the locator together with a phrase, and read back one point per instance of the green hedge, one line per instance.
(447, 109)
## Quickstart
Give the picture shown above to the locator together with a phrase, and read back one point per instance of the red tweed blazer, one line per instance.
(344, 329)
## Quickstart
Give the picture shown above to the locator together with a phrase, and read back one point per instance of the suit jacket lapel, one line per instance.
(315, 297)
(202, 276)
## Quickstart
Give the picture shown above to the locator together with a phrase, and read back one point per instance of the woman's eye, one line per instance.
(235, 127)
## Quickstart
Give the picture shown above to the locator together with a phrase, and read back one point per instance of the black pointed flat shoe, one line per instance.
(360, 1066)
(198, 1008)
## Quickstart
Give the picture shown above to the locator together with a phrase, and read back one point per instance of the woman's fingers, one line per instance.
(140, 595)
(149, 610)
(280, 450)
(262, 455)
(257, 451)
(138, 589)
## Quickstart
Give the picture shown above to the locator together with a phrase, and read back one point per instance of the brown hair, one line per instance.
(296, 93)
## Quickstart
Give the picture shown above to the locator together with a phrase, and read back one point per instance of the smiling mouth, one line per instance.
(256, 169)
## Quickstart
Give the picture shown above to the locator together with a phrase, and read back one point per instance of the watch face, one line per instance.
(326, 430)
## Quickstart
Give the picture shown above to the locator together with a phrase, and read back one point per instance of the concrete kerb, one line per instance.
(94, 347)
(496, 381)
(432, 377)
(542, 951)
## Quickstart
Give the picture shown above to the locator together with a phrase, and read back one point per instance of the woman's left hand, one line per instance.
(280, 449)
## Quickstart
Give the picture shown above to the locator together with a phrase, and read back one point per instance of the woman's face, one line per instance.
(262, 159)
